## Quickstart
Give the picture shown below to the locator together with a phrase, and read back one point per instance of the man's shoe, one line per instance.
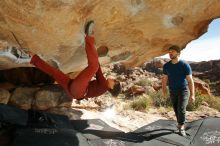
(182, 132)
(89, 27)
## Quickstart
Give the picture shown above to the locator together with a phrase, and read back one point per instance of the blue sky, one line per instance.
(205, 48)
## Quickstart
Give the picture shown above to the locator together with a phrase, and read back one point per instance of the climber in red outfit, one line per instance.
(81, 87)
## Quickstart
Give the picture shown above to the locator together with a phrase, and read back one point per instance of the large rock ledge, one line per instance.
(38, 98)
(134, 30)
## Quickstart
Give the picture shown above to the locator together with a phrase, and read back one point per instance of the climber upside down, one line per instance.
(82, 86)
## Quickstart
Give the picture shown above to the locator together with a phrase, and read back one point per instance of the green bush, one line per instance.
(141, 103)
(144, 82)
(213, 84)
(214, 102)
(199, 98)
(160, 100)
(207, 81)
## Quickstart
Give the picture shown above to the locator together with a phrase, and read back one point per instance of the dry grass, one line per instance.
(157, 99)
(214, 102)
(198, 102)
(144, 82)
(141, 103)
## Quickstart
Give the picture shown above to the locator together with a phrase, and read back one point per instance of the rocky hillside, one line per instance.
(206, 74)
(208, 71)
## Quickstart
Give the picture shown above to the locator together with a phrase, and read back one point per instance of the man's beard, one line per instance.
(173, 57)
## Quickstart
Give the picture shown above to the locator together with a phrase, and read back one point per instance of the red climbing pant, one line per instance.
(81, 86)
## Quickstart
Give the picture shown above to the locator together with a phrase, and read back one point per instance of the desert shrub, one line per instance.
(207, 81)
(214, 102)
(141, 103)
(199, 98)
(144, 82)
(213, 84)
(160, 100)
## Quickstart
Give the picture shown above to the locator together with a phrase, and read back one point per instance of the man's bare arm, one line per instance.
(164, 84)
(191, 87)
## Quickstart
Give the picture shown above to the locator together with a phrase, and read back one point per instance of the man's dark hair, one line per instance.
(176, 48)
(116, 89)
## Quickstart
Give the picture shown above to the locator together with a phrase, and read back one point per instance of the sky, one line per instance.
(205, 48)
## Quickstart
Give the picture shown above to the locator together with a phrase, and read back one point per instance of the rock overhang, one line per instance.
(133, 31)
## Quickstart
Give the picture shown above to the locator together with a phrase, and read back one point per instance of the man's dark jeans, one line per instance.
(179, 99)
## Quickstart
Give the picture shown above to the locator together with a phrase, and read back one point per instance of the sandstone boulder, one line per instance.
(47, 97)
(202, 86)
(133, 31)
(4, 96)
(22, 97)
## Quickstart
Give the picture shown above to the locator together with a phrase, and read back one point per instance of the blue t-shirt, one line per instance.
(177, 74)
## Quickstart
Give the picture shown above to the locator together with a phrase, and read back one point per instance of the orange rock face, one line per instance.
(133, 31)
(202, 87)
